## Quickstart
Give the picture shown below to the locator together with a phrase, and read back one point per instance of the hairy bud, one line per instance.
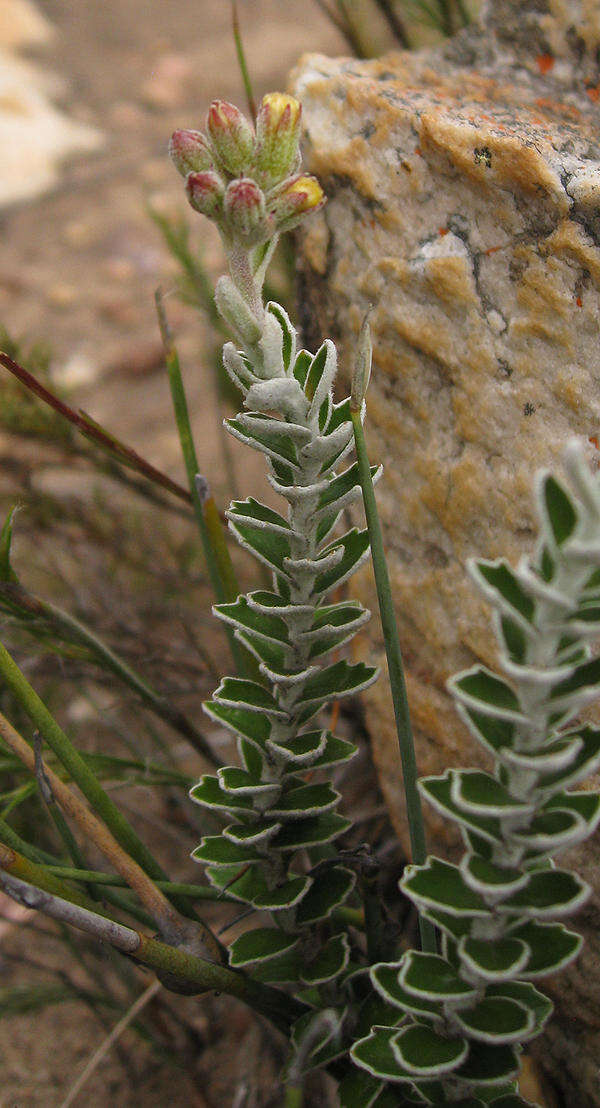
(278, 135)
(190, 153)
(296, 198)
(244, 208)
(205, 193)
(232, 137)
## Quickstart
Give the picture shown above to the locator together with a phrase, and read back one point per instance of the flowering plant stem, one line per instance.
(414, 809)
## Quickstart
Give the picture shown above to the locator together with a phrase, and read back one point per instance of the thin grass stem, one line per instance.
(414, 811)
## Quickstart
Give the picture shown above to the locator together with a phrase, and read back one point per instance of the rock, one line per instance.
(35, 137)
(464, 204)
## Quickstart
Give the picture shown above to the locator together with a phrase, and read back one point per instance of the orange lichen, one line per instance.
(545, 62)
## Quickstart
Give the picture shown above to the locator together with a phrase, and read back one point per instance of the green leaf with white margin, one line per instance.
(217, 850)
(329, 890)
(355, 546)
(489, 1065)
(288, 351)
(260, 945)
(270, 547)
(585, 761)
(512, 1100)
(330, 961)
(344, 489)
(441, 885)
(251, 832)
(550, 892)
(259, 515)
(358, 1090)
(236, 692)
(209, 794)
(482, 794)
(494, 959)
(252, 888)
(557, 509)
(302, 833)
(489, 879)
(497, 580)
(253, 726)
(305, 800)
(483, 690)
(385, 978)
(336, 681)
(374, 1054)
(497, 1019)
(320, 376)
(241, 783)
(438, 791)
(552, 947)
(521, 992)
(429, 977)
(425, 1053)
(253, 432)
(269, 627)
(496, 735)
(278, 971)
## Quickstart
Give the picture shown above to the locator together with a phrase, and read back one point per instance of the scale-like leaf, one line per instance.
(305, 800)
(440, 885)
(358, 1090)
(496, 1020)
(216, 849)
(237, 692)
(335, 682)
(489, 1065)
(551, 892)
(484, 691)
(558, 508)
(302, 833)
(328, 891)
(430, 977)
(551, 947)
(209, 793)
(438, 791)
(494, 959)
(385, 978)
(375, 1054)
(260, 945)
(354, 546)
(425, 1053)
(331, 960)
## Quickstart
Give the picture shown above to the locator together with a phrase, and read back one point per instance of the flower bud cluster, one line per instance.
(246, 180)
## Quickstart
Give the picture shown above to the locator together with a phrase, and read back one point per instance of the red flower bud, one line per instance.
(232, 137)
(205, 193)
(277, 136)
(190, 152)
(244, 207)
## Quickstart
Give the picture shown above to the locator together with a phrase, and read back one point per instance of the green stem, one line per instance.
(187, 968)
(78, 632)
(414, 810)
(293, 1097)
(71, 759)
(241, 57)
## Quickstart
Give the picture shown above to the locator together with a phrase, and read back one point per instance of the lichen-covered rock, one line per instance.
(464, 205)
